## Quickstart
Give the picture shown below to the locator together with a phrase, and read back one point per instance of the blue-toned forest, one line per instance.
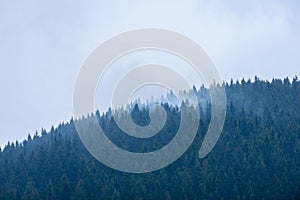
(256, 157)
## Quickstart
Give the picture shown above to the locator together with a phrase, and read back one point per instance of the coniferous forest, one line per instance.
(256, 157)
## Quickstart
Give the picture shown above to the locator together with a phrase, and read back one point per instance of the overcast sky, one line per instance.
(44, 43)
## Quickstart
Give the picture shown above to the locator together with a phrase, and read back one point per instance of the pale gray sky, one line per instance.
(44, 43)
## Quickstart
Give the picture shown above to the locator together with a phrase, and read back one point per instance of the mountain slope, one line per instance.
(256, 157)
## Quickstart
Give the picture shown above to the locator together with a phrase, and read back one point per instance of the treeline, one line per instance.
(256, 157)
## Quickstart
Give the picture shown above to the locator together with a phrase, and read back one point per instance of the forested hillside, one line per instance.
(256, 157)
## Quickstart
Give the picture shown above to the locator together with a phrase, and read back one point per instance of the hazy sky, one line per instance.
(44, 43)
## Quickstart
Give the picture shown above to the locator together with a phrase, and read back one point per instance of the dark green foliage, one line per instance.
(256, 157)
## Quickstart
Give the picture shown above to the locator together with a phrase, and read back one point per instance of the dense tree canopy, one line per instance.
(256, 157)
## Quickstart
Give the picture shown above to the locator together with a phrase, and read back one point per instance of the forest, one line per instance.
(256, 157)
